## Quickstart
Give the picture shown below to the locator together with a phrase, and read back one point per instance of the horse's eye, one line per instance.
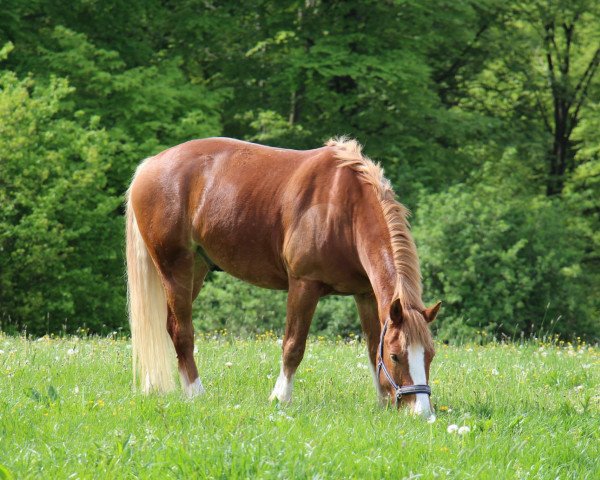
(394, 358)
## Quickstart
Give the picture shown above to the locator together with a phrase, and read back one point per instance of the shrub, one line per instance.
(60, 230)
(227, 303)
(503, 262)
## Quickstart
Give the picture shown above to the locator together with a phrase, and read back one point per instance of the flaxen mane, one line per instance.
(406, 260)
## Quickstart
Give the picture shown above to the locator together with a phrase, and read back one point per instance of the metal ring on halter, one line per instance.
(398, 390)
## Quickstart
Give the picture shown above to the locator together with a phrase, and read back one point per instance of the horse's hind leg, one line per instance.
(303, 297)
(183, 276)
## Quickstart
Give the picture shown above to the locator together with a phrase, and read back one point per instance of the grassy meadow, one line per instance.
(67, 410)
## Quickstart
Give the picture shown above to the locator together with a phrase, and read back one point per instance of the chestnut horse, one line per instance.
(314, 223)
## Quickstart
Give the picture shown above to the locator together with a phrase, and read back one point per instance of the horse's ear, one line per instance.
(396, 311)
(431, 312)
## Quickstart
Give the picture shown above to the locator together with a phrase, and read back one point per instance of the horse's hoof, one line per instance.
(282, 400)
(194, 389)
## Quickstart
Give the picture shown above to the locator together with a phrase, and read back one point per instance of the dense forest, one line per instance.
(485, 115)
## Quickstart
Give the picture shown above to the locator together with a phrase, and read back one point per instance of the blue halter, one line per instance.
(399, 391)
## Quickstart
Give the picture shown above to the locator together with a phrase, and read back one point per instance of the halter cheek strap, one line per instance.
(399, 391)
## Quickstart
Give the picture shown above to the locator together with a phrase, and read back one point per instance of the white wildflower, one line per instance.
(495, 371)
(464, 430)
(228, 364)
(71, 351)
(281, 413)
(452, 428)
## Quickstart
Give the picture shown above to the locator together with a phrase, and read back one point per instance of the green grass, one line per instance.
(67, 410)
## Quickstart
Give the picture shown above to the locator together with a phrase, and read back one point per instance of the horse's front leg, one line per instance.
(303, 296)
(369, 319)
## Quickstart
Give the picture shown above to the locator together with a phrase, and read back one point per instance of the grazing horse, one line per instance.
(314, 223)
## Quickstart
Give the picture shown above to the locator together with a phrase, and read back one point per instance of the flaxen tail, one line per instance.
(153, 351)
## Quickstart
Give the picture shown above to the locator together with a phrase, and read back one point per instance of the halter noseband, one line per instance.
(400, 391)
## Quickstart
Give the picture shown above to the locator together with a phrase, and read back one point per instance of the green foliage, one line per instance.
(60, 234)
(146, 108)
(476, 110)
(503, 260)
(230, 304)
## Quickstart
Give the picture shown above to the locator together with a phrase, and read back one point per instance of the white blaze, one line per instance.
(416, 368)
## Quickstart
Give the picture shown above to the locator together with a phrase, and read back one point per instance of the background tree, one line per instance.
(60, 238)
(484, 114)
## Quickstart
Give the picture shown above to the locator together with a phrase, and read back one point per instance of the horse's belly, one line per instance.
(245, 255)
(252, 269)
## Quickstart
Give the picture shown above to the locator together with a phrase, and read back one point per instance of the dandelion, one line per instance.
(431, 419)
(76, 390)
(452, 428)
(443, 408)
(228, 364)
(464, 430)
(495, 371)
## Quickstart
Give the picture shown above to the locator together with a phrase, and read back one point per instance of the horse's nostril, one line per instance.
(394, 358)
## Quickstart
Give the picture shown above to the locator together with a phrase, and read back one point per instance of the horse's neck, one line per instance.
(376, 256)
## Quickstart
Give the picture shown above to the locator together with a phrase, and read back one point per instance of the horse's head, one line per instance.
(404, 356)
